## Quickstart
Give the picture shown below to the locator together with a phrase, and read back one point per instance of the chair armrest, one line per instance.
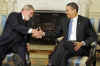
(93, 44)
(93, 49)
(59, 39)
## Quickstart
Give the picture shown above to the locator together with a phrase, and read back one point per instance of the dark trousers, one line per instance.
(19, 49)
(63, 52)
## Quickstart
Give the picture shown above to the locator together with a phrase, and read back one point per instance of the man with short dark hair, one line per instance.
(78, 35)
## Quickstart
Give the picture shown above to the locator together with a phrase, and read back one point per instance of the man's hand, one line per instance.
(37, 33)
(28, 47)
(77, 45)
(34, 31)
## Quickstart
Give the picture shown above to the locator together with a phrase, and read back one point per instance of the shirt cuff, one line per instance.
(84, 43)
(43, 33)
(30, 31)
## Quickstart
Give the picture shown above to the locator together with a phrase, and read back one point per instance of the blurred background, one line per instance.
(46, 14)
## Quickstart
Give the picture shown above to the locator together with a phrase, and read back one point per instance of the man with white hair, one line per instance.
(14, 35)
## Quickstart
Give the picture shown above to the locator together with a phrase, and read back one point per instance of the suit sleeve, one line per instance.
(12, 19)
(6, 39)
(90, 33)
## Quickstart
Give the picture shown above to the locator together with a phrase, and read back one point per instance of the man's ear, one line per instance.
(74, 10)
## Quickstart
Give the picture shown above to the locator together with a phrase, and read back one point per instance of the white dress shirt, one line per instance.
(30, 30)
(72, 29)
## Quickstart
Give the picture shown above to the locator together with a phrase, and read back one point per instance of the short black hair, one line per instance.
(73, 5)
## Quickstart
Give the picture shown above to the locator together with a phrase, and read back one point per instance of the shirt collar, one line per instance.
(23, 17)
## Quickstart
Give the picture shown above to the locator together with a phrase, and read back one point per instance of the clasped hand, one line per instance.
(37, 33)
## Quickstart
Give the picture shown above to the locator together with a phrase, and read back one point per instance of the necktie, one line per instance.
(70, 29)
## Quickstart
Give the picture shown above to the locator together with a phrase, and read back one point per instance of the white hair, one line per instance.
(28, 7)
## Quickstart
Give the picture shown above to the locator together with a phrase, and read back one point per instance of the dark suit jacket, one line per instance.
(84, 31)
(15, 30)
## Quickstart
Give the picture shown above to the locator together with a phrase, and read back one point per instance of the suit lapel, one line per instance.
(78, 27)
(66, 26)
(20, 20)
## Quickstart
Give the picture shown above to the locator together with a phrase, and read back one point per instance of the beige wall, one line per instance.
(94, 9)
(3, 6)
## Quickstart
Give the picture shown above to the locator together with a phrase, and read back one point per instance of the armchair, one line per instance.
(85, 60)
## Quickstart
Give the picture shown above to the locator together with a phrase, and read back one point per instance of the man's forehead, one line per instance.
(30, 10)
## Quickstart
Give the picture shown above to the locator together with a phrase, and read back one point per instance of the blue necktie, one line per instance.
(70, 29)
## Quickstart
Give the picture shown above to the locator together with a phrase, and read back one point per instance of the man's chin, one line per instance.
(27, 19)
